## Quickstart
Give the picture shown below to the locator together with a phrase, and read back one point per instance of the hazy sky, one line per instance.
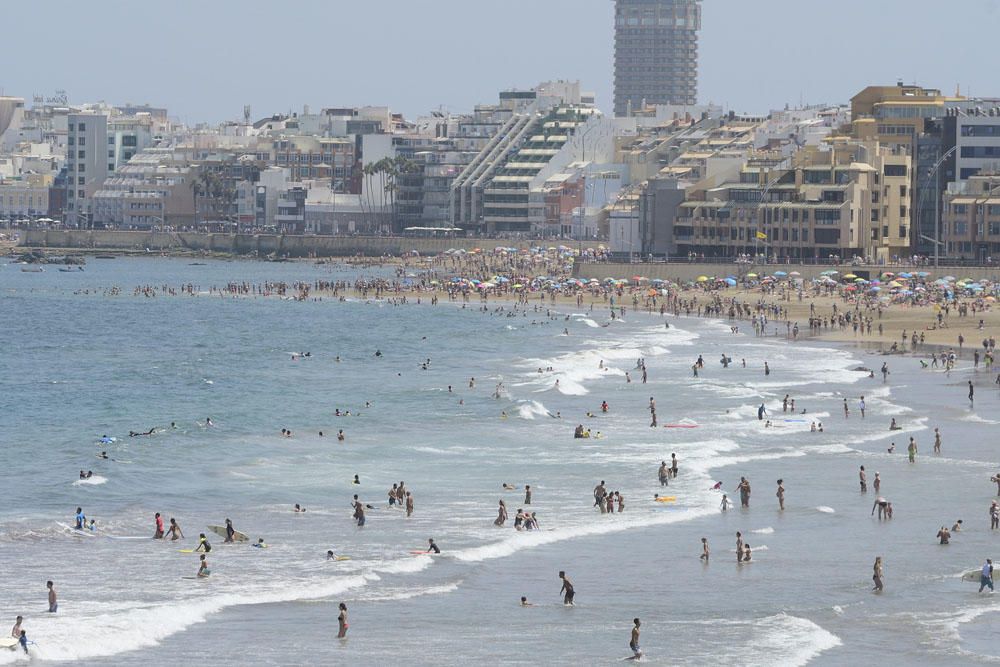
(205, 59)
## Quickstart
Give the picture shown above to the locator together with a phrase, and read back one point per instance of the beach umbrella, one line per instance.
(876, 288)
(731, 282)
(887, 274)
(518, 285)
(829, 272)
(780, 274)
(949, 278)
(850, 288)
(795, 273)
(751, 275)
(860, 280)
(923, 274)
(702, 279)
(905, 275)
(850, 276)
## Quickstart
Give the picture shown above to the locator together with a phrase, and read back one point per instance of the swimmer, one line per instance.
(524, 602)
(340, 435)
(356, 480)
(299, 508)
(259, 544)
(342, 621)
(175, 531)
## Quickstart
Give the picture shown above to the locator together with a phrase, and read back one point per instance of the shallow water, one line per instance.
(76, 366)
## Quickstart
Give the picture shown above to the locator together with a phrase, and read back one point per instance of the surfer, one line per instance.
(230, 532)
(23, 641)
(203, 544)
(761, 411)
(16, 630)
(259, 544)
(431, 547)
(80, 518)
(634, 640)
(53, 601)
(158, 533)
(203, 570)
(175, 530)
(342, 621)
(299, 508)
(985, 577)
(567, 589)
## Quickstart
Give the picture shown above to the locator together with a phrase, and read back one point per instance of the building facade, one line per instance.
(656, 53)
(970, 221)
(87, 164)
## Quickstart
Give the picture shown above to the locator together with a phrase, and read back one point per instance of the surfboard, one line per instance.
(340, 558)
(128, 537)
(221, 532)
(680, 426)
(665, 499)
(420, 553)
(8, 642)
(186, 551)
(974, 575)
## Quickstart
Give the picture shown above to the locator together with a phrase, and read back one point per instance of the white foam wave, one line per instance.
(788, 640)
(111, 633)
(763, 531)
(531, 409)
(825, 509)
(93, 479)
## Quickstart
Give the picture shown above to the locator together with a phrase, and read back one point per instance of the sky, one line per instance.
(205, 59)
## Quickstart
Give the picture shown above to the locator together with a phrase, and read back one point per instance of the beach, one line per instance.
(134, 344)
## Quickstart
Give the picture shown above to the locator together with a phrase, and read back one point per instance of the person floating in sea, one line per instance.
(203, 544)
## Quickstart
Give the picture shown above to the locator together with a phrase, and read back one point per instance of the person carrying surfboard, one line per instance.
(230, 532)
(985, 577)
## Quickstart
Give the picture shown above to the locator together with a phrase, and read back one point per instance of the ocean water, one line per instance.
(78, 363)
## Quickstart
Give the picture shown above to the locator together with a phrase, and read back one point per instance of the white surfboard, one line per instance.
(221, 532)
(8, 642)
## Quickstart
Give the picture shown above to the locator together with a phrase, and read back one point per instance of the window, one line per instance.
(81, 193)
(83, 141)
(895, 170)
(81, 168)
(130, 140)
(111, 154)
(827, 236)
(902, 190)
(981, 131)
(968, 173)
(71, 141)
(960, 209)
(71, 127)
(81, 127)
(111, 141)
(902, 231)
(111, 167)
(902, 211)
(80, 180)
(827, 216)
(874, 215)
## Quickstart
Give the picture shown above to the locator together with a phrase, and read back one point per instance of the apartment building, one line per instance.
(26, 197)
(970, 220)
(656, 53)
(87, 164)
(824, 202)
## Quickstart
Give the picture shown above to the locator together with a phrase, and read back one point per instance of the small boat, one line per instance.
(31, 269)
(104, 257)
(66, 269)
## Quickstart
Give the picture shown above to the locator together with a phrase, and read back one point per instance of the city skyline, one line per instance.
(191, 65)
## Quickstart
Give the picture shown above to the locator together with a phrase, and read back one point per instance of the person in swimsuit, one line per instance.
(175, 531)
(432, 548)
(634, 640)
(158, 533)
(704, 550)
(16, 631)
(230, 532)
(567, 589)
(409, 504)
(203, 544)
(342, 621)
(501, 514)
(53, 600)
(203, 570)
(877, 575)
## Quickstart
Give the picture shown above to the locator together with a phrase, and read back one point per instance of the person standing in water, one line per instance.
(342, 621)
(663, 474)
(203, 570)
(911, 450)
(409, 504)
(527, 494)
(937, 441)
(53, 600)
(158, 533)
(972, 393)
(175, 531)
(634, 640)
(877, 575)
(567, 589)
(861, 407)
(781, 495)
(739, 547)
(501, 514)
(985, 576)
(863, 480)
(704, 550)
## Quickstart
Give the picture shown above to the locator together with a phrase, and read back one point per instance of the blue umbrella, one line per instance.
(780, 274)
(731, 282)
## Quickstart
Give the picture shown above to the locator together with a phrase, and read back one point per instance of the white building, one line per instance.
(87, 163)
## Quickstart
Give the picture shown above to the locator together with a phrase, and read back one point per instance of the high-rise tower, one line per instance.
(656, 52)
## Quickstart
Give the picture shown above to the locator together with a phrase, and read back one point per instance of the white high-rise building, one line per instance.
(87, 164)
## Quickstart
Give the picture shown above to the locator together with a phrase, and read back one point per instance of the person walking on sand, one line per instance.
(567, 589)
(877, 575)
